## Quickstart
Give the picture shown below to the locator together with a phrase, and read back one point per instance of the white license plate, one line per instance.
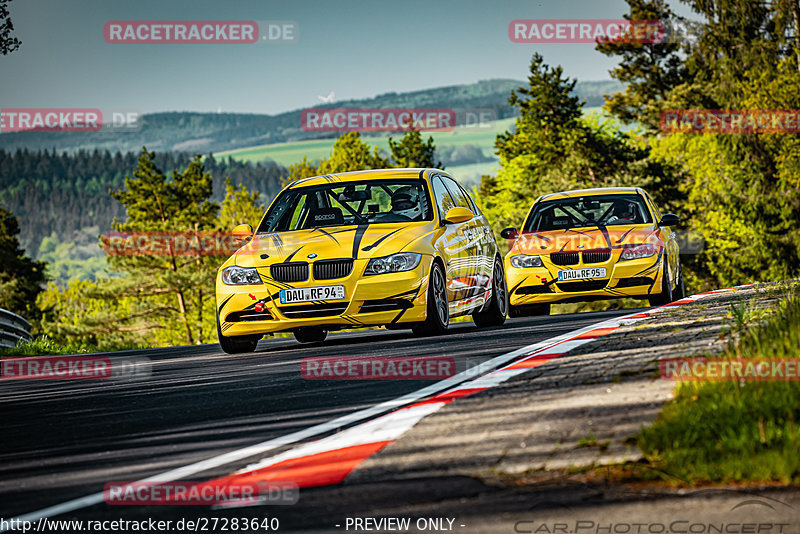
(581, 274)
(307, 294)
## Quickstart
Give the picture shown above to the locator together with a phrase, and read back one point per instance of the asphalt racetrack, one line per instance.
(63, 440)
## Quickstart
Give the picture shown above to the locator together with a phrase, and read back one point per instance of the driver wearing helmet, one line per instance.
(405, 203)
(624, 212)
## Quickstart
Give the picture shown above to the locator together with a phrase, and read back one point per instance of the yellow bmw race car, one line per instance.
(401, 248)
(592, 244)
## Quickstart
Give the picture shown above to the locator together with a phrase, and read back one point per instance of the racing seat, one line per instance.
(324, 217)
(560, 222)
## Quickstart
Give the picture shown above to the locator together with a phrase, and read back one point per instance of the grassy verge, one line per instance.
(44, 346)
(732, 432)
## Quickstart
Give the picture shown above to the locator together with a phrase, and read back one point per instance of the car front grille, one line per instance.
(564, 258)
(589, 285)
(305, 311)
(289, 272)
(596, 256)
(330, 269)
(588, 256)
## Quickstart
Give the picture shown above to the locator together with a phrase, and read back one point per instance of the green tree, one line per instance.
(8, 42)
(304, 169)
(742, 191)
(239, 207)
(412, 152)
(83, 312)
(155, 204)
(21, 278)
(740, 38)
(67, 260)
(549, 121)
(350, 153)
(553, 148)
(648, 70)
(140, 305)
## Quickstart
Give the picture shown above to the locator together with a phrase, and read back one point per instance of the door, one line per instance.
(670, 240)
(476, 269)
(452, 245)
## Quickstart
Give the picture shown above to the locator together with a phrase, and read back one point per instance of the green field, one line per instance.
(288, 153)
(469, 174)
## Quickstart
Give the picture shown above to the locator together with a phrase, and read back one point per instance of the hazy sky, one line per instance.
(354, 48)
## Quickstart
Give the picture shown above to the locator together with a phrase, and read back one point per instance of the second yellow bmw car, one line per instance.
(402, 248)
(593, 244)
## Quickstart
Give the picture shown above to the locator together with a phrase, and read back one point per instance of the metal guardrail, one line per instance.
(13, 329)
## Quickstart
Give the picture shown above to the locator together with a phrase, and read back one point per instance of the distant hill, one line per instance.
(216, 132)
(61, 195)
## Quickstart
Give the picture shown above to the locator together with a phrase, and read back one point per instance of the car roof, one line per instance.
(374, 174)
(591, 192)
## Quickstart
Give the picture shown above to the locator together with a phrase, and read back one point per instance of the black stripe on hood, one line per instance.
(360, 231)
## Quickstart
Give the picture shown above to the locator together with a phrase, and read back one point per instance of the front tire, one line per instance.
(494, 312)
(236, 344)
(665, 296)
(680, 289)
(310, 334)
(438, 315)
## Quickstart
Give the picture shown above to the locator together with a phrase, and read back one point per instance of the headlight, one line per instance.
(523, 261)
(403, 261)
(633, 252)
(240, 276)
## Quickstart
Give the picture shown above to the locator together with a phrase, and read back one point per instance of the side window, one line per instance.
(458, 194)
(656, 211)
(471, 206)
(475, 209)
(382, 198)
(297, 218)
(443, 199)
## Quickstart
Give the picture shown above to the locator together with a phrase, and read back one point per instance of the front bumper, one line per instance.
(637, 278)
(369, 301)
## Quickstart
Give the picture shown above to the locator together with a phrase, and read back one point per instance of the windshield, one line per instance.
(342, 204)
(580, 212)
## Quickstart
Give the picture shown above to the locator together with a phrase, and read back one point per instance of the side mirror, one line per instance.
(509, 233)
(458, 215)
(242, 230)
(669, 219)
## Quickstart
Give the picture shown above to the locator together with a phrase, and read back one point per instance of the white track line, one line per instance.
(322, 428)
(387, 427)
